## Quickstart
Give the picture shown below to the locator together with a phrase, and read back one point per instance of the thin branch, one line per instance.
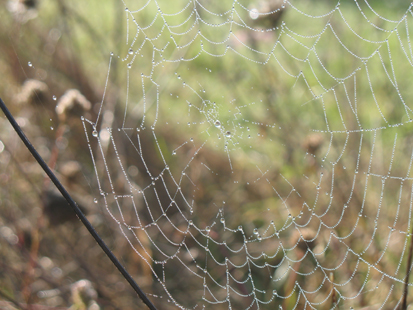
(409, 268)
(7, 297)
(75, 207)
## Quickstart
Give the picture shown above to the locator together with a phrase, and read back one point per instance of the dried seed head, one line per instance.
(84, 295)
(305, 239)
(72, 103)
(22, 10)
(33, 92)
(267, 13)
(71, 170)
(57, 210)
(313, 142)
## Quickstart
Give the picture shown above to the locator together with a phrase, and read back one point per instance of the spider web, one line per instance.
(261, 154)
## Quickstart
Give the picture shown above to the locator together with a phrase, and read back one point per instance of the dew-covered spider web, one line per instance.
(260, 153)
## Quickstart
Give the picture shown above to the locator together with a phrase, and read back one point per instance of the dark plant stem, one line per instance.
(408, 270)
(75, 207)
(14, 302)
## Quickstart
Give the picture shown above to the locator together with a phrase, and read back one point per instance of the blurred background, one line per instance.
(281, 150)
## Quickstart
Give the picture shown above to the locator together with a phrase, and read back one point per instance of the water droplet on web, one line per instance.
(130, 52)
(51, 128)
(190, 223)
(179, 77)
(173, 153)
(30, 64)
(240, 228)
(94, 133)
(207, 229)
(111, 53)
(54, 97)
(228, 134)
(222, 220)
(95, 200)
(129, 66)
(255, 231)
(218, 124)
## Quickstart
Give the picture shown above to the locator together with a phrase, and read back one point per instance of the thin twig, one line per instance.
(408, 270)
(75, 207)
(14, 302)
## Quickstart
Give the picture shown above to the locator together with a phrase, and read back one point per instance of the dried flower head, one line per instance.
(33, 92)
(72, 103)
(312, 143)
(71, 170)
(57, 210)
(267, 13)
(305, 239)
(22, 10)
(84, 296)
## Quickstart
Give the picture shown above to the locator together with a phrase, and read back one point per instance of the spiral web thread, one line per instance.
(263, 154)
